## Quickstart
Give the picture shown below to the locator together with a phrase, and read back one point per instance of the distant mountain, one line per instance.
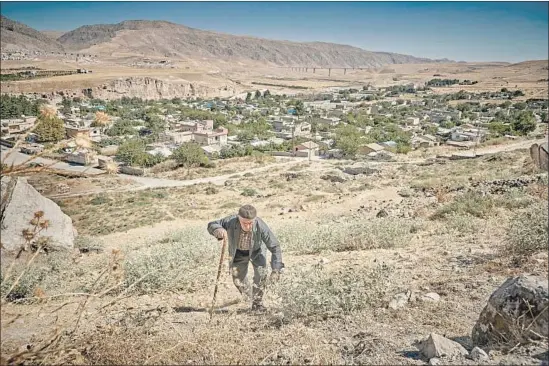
(53, 34)
(165, 39)
(15, 36)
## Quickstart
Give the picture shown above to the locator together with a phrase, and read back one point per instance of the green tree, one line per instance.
(248, 97)
(524, 123)
(50, 129)
(132, 152)
(299, 108)
(348, 139)
(190, 155)
(257, 94)
(520, 106)
(498, 128)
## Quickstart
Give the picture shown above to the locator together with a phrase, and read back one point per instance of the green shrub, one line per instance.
(211, 190)
(249, 192)
(100, 200)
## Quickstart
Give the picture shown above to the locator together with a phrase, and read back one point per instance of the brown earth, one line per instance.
(343, 266)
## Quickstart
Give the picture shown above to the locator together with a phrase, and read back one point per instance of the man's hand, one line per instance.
(275, 275)
(220, 233)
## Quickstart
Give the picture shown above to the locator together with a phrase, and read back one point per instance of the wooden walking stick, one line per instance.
(223, 248)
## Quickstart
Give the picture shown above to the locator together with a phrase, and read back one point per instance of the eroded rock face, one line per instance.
(152, 88)
(18, 208)
(517, 310)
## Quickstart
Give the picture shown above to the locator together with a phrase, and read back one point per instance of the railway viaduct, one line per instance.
(314, 68)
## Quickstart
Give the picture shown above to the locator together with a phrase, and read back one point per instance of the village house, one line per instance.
(93, 133)
(158, 149)
(306, 149)
(412, 121)
(285, 129)
(474, 135)
(327, 121)
(14, 127)
(179, 137)
(370, 148)
(194, 126)
(373, 109)
(82, 157)
(212, 151)
(216, 137)
(424, 141)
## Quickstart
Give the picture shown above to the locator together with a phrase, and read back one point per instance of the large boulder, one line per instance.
(517, 311)
(19, 203)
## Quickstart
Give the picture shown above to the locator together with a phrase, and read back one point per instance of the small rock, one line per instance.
(324, 261)
(438, 346)
(430, 297)
(398, 301)
(477, 354)
(382, 213)
(413, 296)
(434, 361)
(404, 193)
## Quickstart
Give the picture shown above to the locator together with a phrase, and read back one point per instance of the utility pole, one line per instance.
(293, 141)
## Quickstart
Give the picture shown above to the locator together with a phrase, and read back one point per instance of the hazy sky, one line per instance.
(468, 31)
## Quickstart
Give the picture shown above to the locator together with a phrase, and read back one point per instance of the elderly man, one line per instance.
(246, 234)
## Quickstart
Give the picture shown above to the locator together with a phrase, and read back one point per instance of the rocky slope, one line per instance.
(17, 36)
(165, 39)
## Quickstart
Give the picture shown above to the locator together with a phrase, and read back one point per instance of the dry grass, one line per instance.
(527, 231)
(329, 311)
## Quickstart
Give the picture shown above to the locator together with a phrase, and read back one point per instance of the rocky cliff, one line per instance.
(151, 88)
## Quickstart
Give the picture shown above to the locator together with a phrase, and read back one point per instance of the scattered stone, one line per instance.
(359, 170)
(477, 354)
(382, 213)
(430, 297)
(434, 361)
(519, 303)
(333, 178)
(399, 301)
(324, 261)
(438, 346)
(404, 193)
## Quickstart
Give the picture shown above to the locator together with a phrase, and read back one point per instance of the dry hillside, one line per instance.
(15, 36)
(165, 39)
(136, 288)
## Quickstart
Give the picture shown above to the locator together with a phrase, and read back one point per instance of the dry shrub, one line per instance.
(441, 194)
(348, 235)
(164, 166)
(527, 231)
(182, 261)
(315, 291)
(471, 203)
(227, 340)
